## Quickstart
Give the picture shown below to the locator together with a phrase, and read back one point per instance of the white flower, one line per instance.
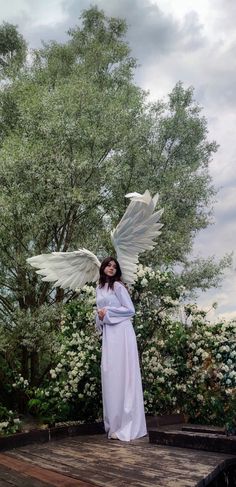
(53, 374)
(181, 387)
(144, 282)
(199, 351)
(224, 348)
(170, 301)
(141, 271)
(16, 421)
(225, 368)
(200, 397)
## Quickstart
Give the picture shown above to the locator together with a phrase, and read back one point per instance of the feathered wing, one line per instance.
(136, 232)
(67, 269)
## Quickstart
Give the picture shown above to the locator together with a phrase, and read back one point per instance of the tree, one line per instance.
(12, 48)
(77, 134)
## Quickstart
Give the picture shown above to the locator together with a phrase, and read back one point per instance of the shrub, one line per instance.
(9, 422)
(187, 366)
(73, 388)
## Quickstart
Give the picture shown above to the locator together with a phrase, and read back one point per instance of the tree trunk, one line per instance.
(34, 368)
(24, 363)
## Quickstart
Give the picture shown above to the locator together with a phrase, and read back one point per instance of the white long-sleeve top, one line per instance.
(117, 302)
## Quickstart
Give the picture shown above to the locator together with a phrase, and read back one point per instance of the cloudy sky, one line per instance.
(189, 40)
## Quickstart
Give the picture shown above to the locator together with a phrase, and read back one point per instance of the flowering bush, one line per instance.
(73, 389)
(186, 366)
(9, 422)
(212, 370)
(27, 345)
(155, 294)
(193, 370)
(164, 370)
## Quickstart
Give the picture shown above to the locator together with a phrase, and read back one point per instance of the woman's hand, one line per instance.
(101, 313)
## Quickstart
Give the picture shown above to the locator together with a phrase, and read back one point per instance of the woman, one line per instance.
(123, 408)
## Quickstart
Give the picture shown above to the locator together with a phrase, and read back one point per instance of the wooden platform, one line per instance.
(88, 461)
(200, 437)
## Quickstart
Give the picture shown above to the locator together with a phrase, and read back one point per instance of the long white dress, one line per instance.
(123, 408)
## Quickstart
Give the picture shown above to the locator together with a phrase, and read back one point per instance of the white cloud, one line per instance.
(12, 9)
(46, 13)
(41, 12)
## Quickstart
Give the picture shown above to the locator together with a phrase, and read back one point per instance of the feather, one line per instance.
(67, 269)
(136, 232)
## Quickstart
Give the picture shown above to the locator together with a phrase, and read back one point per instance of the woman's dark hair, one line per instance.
(110, 280)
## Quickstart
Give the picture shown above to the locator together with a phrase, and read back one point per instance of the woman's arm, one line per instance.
(120, 313)
(98, 324)
(98, 320)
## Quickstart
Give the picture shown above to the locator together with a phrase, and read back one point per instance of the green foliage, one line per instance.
(202, 274)
(28, 346)
(9, 422)
(12, 48)
(192, 370)
(187, 366)
(72, 389)
(155, 293)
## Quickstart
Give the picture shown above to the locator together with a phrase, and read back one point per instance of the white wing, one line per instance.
(135, 232)
(69, 269)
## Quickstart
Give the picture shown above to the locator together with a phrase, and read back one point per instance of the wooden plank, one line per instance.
(110, 463)
(45, 435)
(204, 429)
(12, 478)
(39, 473)
(20, 439)
(200, 441)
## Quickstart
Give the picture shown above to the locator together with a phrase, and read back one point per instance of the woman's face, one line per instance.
(110, 269)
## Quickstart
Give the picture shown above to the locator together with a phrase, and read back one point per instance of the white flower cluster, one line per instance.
(145, 271)
(187, 380)
(20, 382)
(157, 369)
(148, 273)
(88, 290)
(169, 301)
(11, 424)
(214, 349)
(75, 373)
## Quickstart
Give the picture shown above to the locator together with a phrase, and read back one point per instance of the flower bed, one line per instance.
(187, 366)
